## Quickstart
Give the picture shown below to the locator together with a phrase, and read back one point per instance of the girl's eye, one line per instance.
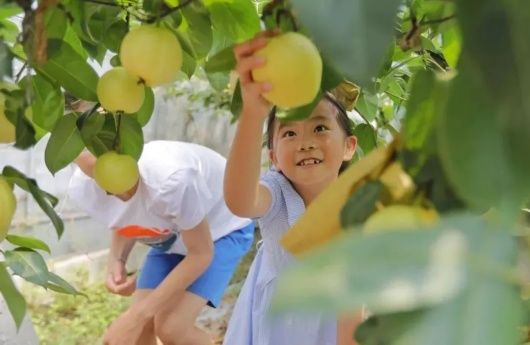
(288, 134)
(320, 128)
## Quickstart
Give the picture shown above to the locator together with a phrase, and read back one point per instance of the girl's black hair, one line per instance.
(342, 118)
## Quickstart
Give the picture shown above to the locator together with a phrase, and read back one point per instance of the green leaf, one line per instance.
(502, 28)
(188, 64)
(28, 242)
(55, 23)
(131, 139)
(236, 19)
(15, 107)
(198, 28)
(99, 136)
(361, 33)
(299, 113)
(144, 114)
(45, 200)
(90, 123)
(14, 300)
(15, 176)
(366, 137)
(74, 41)
(80, 12)
(174, 19)
(48, 102)
(470, 125)
(361, 204)
(452, 45)
(99, 20)
(70, 70)
(25, 133)
(431, 179)
(428, 96)
(9, 31)
(8, 10)
(6, 61)
(114, 34)
(219, 81)
(60, 285)
(65, 144)
(28, 264)
(330, 77)
(222, 61)
(367, 105)
(237, 101)
(387, 328)
(488, 312)
(386, 272)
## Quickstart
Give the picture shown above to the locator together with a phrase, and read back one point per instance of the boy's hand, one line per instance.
(118, 281)
(251, 91)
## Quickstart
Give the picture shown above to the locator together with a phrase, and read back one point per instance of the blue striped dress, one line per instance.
(250, 323)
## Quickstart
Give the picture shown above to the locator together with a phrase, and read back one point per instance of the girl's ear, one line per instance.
(350, 147)
(272, 158)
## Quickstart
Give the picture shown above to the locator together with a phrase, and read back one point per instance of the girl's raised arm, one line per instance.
(243, 193)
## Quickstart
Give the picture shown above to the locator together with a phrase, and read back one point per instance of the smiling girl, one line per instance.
(306, 156)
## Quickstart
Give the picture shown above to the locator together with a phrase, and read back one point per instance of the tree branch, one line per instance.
(22, 69)
(147, 19)
(102, 2)
(438, 21)
(167, 11)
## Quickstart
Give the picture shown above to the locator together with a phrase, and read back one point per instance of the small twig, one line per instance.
(94, 108)
(148, 19)
(85, 116)
(403, 63)
(393, 95)
(19, 74)
(437, 21)
(366, 120)
(435, 63)
(101, 2)
(167, 11)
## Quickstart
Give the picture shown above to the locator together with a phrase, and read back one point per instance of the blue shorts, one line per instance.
(228, 251)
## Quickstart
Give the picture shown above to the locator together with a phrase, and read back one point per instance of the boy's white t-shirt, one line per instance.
(180, 185)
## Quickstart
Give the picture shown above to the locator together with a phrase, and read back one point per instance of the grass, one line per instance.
(81, 320)
(75, 320)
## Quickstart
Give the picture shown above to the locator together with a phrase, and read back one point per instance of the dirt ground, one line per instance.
(215, 321)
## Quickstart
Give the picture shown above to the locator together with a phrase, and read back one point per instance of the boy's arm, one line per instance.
(199, 244)
(117, 280)
(86, 162)
(243, 193)
(120, 247)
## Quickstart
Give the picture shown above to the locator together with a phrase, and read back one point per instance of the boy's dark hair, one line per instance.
(342, 118)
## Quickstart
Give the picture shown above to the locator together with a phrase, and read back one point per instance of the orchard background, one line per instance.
(446, 82)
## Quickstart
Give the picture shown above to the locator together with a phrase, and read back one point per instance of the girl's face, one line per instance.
(310, 152)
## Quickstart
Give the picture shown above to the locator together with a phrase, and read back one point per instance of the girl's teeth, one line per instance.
(309, 162)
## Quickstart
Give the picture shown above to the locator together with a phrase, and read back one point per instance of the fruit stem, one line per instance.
(117, 142)
(84, 117)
